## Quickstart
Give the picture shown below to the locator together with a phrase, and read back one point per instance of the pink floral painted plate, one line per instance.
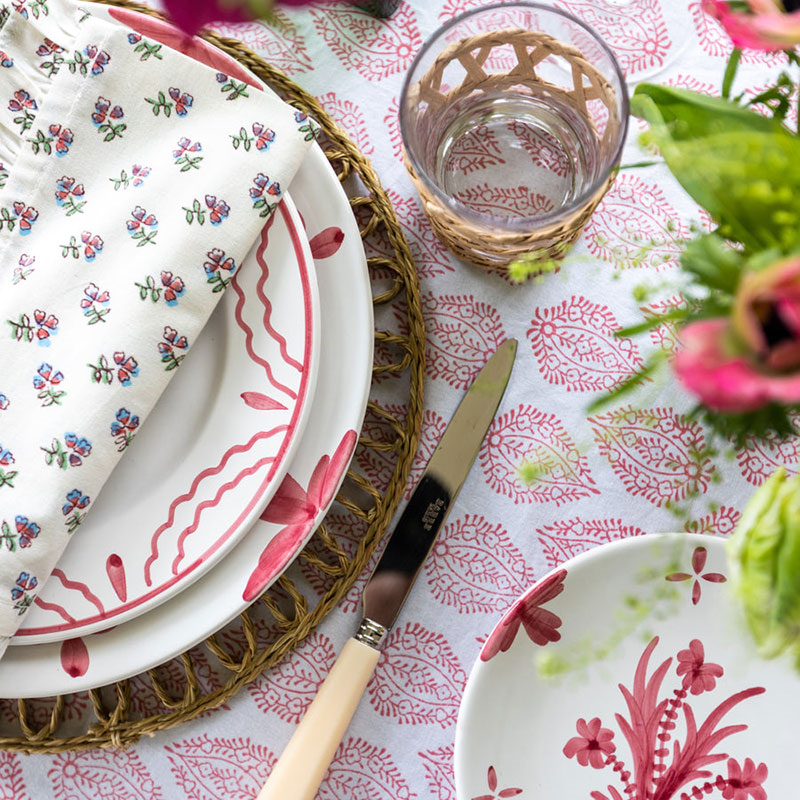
(628, 674)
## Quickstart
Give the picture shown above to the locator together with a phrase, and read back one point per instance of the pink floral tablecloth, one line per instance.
(609, 475)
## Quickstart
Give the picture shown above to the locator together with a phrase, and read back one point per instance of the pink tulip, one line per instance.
(712, 366)
(767, 25)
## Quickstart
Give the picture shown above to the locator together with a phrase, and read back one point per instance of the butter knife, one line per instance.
(300, 769)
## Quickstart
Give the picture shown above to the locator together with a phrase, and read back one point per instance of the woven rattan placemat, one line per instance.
(211, 673)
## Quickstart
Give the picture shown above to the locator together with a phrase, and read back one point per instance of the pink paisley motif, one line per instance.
(576, 347)
(212, 768)
(665, 336)
(392, 123)
(476, 568)
(721, 522)
(462, 333)
(657, 453)
(88, 775)
(545, 150)
(565, 539)
(438, 765)
(505, 201)
(280, 43)
(758, 457)
(350, 116)
(637, 33)
(12, 781)
(527, 437)
(476, 150)
(375, 48)
(540, 624)
(297, 509)
(362, 770)
(634, 226)
(288, 689)
(418, 680)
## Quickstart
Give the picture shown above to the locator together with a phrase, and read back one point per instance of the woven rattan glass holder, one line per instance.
(513, 119)
(208, 675)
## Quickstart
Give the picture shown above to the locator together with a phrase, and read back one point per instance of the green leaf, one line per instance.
(713, 262)
(730, 72)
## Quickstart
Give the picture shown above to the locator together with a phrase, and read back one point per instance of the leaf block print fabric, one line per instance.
(133, 181)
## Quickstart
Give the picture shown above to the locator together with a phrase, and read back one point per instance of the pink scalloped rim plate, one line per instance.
(211, 456)
(317, 469)
(628, 674)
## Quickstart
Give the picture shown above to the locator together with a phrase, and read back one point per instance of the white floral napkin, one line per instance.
(133, 181)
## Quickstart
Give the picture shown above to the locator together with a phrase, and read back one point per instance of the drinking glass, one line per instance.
(513, 117)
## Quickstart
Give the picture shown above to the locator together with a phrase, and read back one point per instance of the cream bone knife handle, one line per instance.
(303, 764)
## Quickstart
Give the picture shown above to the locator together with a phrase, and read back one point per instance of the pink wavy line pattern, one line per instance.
(208, 472)
(79, 587)
(248, 331)
(60, 610)
(292, 362)
(226, 487)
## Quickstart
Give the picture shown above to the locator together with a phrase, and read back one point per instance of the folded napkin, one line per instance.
(133, 181)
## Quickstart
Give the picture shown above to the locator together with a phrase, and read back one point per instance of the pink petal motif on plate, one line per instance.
(575, 346)
(288, 689)
(505, 201)
(362, 770)
(377, 466)
(540, 624)
(637, 33)
(212, 768)
(634, 226)
(722, 522)
(715, 42)
(759, 458)
(92, 774)
(115, 570)
(476, 568)
(566, 539)
(297, 509)
(261, 401)
(375, 48)
(12, 781)
(462, 334)
(527, 436)
(74, 657)
(438, 766)
(350, 116)
(279, 43)
(657, 453)
(476, 150)
(326, 243)
(492, 782)
(418, 680)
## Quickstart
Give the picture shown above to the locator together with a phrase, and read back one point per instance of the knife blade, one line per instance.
(300, 769)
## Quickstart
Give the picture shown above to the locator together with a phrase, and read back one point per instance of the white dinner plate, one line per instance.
(342, 387)
(209, 457)
(629, 673)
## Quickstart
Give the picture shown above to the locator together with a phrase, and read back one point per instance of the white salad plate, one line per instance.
(209, 457)
(317, 469)
(629, 673)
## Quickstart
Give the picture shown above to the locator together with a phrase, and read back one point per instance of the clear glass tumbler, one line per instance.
(513, 117)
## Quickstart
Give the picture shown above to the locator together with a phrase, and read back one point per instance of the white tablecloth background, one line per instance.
(612, 475)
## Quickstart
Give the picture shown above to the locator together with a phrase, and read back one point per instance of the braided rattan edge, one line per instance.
(114, 725)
